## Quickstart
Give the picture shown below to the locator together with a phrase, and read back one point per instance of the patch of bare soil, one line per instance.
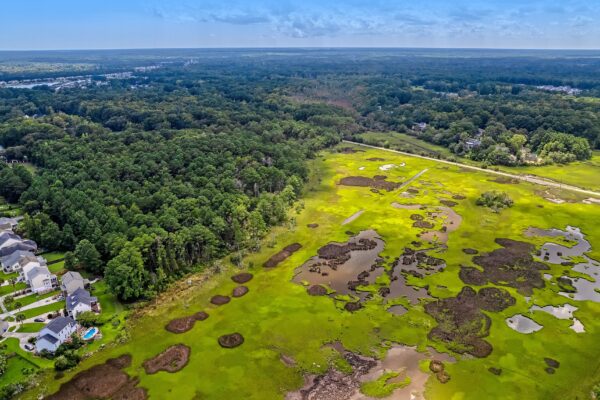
(313, 226)
(335, 385)
(505, 180)
(512, 265)
(438, 368)
(242, 278)
(470, 251)
(104, 381)
(231, 340)
(418, 263)
(448, 203)
(458, 197)
(352, 306)
(317, 290)
(282, 255)
(240, 291)
(184, 324)
(350, 150)
(461, 323)
(375, 159)
(423, 224)
(417, 217)
(219, 300)
(363, 181)
(171, 360)
(495, 371)
(412, 190)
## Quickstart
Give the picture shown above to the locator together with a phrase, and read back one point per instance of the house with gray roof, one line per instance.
(11, 262)
(11, 242)
(13, 222)
(71, 281)
(58, 331)
(81, 301)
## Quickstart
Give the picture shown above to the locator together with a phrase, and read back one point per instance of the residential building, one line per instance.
(11, 242)
(81, 301)
(58, 331)
(5, 227)
(10, 263)
(421, 126)
(72, 281)
(38, 277)
(13, 222)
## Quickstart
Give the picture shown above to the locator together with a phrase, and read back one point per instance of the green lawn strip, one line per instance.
(32, 298)
(380, 387)
(41, 311)
(52, 257)
(58, 267)
(31, 327)
(7, 289)
(12, 346)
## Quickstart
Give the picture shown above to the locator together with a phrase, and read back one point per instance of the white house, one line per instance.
(81, 301)
(58, 331)
(11, 262)
(38, 277)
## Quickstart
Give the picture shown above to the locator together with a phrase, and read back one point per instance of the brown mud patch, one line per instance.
(350, 150)
(375, 159)
(418, 263)
(312, 226)
(423, 224)
(171, 360)
(219, 300)
(104, 381)
(242, 278)
(317, 290)
(184, 324)
(412, 190)
(461, 323)
(231, 340)
(470, 251)
(282, 255)
(345, 266)
(458, 197)
(505, 180)
(363, 181)
(449, 203)
(512, 265)
(240, 291)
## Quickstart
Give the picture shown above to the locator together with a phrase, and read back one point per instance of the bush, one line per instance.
(494, 200)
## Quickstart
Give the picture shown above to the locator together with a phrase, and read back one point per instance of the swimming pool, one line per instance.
(90, 333)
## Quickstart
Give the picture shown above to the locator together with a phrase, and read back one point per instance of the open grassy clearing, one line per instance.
(285, 330)
(32, 298)
(41, 311)
(7, 289)
(32, 327)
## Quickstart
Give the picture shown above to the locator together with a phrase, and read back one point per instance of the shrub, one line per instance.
(494, 200)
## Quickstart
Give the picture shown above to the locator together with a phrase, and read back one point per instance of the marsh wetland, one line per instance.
(394, 286)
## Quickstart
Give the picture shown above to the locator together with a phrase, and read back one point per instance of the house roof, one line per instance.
(71, 276)
(14, 257)
(36, 271)
(49, 338)
(27, 259)
(80, 296)
(5, 226)
(59, 323)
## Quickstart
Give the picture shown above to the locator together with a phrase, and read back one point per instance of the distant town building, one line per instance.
(421, 126)
(38, 277)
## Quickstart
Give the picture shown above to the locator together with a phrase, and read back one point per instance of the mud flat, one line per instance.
(344, 266)
(377, 182)
(184, 324)
(335, 385)
(512, 265)
(522, 324)
(104, 381)
(171, 360)
(461, 323)
(281, 256)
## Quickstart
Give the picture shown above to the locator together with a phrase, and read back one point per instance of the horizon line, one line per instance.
(303, 48)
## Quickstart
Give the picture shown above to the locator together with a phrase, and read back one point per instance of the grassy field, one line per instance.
(41, 311)
(7, 289)
(584, 174)
(31, 327)
(277, 317)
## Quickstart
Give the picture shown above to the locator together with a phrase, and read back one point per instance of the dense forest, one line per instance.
(194, 155)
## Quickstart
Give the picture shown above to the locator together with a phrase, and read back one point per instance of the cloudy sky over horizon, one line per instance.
(92, 24)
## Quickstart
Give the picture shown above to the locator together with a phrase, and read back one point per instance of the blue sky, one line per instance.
(92, 24)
